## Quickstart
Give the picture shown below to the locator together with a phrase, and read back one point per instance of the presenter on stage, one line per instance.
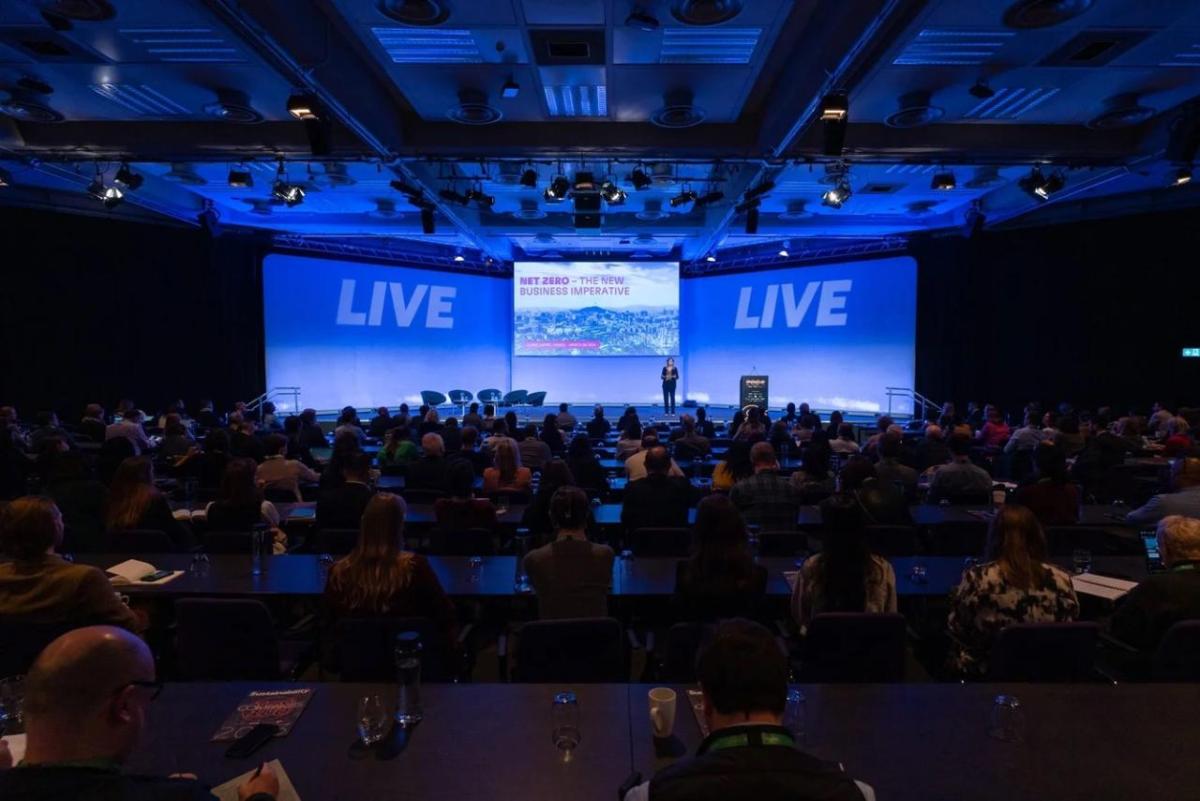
(670, 375)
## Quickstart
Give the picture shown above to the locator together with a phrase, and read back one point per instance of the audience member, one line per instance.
(92, 424)
(630, 441)
(348, 423)
(206, 417)
(341, 506)
(267, 418)
(507, 474)
(766, 499)
(635, 465)
(565, 420)
(451, 435)
(1015, 585)
(690, 444)
(489, 418)
(552, 436)
(472, 419)
(240, 505)
(932, 450)
(960, 481)
(48, 428)
(1185, 500)
(835, 425)
(534, 452)
(432, 423)
(844, 443)
(882, 503)
(381, 423)
(814, 480)
(733, 468)
(1052, 499)
(720, 579)
(429, 471)
(478, 460)
(398, 448)
(311, 435)
(882, 424)
(461, 510)
(585, 466)
(1163, 599)
(243, 443)
(555, 474)
(704, 426)
(598, 427)
(280, 473)
(752, 429)
(571, 575)
(890, 470)
(994, 433)
(80, 498)
(130, 428)
(177, 440)
(1027, 437)
(659, 500)
(135, 503)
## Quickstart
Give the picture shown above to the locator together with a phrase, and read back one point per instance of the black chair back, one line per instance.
(661, 542)
(1059, 652)
(958, 538)
(854, 647)
(680, 646)
(422, 497)
(139, 540)
(1063, 540)
(279, 495)
(365, 647)
(334, 540)
(463, 542)
(236, 542)
(20, 643)
(893, 540)
(581, 650)
(219, 639)
(1178, 655)
(783, 543)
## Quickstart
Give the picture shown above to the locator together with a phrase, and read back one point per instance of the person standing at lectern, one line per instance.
(670, 375)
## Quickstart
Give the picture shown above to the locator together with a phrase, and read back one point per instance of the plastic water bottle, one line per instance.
(408, 678)
(520, 577)
(258, 543)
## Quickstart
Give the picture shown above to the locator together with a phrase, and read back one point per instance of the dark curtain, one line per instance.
(1092, 313)
(98, 310)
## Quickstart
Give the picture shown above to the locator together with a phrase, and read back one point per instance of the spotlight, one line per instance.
(479, 196)
(710, 258)
(683, 198)
(613, 195)
(240, 178)
(110, 196)
(454, 197)
(640, 180)
(708, 198)
(283, 189)
(783, 251)
(943, 180)
(459, 257)
(405, 189)
(642, 20)
(1180, 177)
(529, 178)
(759, 191)
(558, 189)
(5, 179)
(427, 223)
(510, 89)
(838, 194)
(128, 178)
(835, 110)
(1040, 186)
(303, 106)
(96, 188)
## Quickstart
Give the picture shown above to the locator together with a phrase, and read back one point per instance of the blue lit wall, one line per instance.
(370, 335)
(834, 335)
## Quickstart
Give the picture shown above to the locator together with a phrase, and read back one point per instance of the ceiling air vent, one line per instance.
(473, 109)
(530, 210)
(1043, 13)
(27, 109)
(1094, 48)
(880, 189)
(79, 10)
(705, 12)
(233, 106)
(335, 175)
(651, 211)
(415, 12)
(678, 111)
(916, 110)
(554, 47)
(1121, 111)
(796, 210)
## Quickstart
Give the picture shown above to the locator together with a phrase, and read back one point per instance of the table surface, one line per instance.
(909, 741)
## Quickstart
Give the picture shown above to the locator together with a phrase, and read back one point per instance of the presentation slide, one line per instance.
(371, 335)
(595, 309)
(832, 335)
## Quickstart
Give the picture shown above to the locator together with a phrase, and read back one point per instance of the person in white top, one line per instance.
(635, 465)
(130, 427)
(282, 473)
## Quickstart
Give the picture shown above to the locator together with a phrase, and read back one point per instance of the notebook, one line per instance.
(287, 792)
(281, 707)
(1101, 586)
(131, 571)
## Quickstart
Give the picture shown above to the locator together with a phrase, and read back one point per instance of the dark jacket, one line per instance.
(656, 501)
(342, 507)
(598, 427)
(96, 784)
(1156, 604)
(723, 770)
(427, 473)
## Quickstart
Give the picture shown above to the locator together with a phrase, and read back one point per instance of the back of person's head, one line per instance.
(431, 416)
(562, 407)
(1177, 426)
(753, 415)
(460, 479)
(510, 420)
(489, 410)
(174, 426)
(719, 540)
(598, 412)
(433, 445)
(276, 444)
(29, 527)
(933, 431)
(856, 472)
(531, 431)
(217, 441)
(499, 429)
(835, 419)
(268, 408)
(1051, 461)
(94, 410)
(451, 423)
(658, 461)
(345, 443)
(357, 467)
(470, 435)
(349, 415)
(382, 411)
(633, 431)
(1187, 472)
(842, 570)
(702, 413)
(1018, 544)
(86, 694)
(817, 456)
(507, 459)
(131, 492)
(133, 416)
(791, 407)
(687, 423)
(845, 431)
(1179, 539)
(238, 488)
(378, 567)
(649, 438)
(569, 509)
(580, 448)
(742, 672)
(762, 455)
(960, 445)
(555, 473)
(549, 423)
(883, 423)
(473, 408)
(737, 459)
(309, 416)
(891, 446)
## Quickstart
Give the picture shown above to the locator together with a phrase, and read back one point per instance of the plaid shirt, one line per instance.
(768, 500)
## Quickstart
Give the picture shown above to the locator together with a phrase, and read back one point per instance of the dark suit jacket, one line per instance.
(479, 460)
(1156, 604)
(92, 429)
(247, 446)
(597, 428)
(381, 425)
(95, 784)
(656, 502)
(342, 507)
(426, 473)
(50, 590)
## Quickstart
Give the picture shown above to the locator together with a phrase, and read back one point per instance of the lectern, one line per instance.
(753, 391)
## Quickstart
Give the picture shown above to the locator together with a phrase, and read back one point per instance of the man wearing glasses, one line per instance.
(85, 708)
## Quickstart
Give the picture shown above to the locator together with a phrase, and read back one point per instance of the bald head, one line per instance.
(658, 461)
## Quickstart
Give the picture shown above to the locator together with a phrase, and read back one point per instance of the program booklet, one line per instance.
(281, 707)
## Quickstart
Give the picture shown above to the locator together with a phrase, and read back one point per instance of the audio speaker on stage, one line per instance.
(753, 391)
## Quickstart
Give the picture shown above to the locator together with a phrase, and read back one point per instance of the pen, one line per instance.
(258, 772)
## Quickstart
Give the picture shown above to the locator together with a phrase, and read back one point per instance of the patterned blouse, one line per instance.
(984, 603)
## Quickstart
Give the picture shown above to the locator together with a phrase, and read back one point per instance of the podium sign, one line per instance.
(753, 391)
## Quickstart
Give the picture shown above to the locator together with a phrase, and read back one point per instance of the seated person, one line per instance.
(345, 447)
(86, 701)
(704, 426)
(766, 499)
(815, 480)
(584, 465)
(571, 576)
(381, 423)
(598, 427)
(537, 514)
(240, 505)
(489, 418)
(507, 474)
(428, 472)
(206, 465)
(311, 434)
(462, 510)
(564, 419)
(243, 443)
(431, 424)
(1027, 437)
(135, 503)
(1015, 585)
(48, 428)
(37, 586)
(733, 468)
(720, 579)
(472, 419)
(660, 500)
(1185, 500)
(630, 441)
(635, 465)
(130, 428)
(748, 753)
(341, 507)
(552, 436)
(960, 481)
(177, 440)
(890, 470)
(380, 579)
(753, 428)
(398, 448)
(80, 498)
(845, 576)
(995, 432)
(451, 436)
(478, 460)
(348, 423)
(691, 444)
(534, 451)
(932, 450)
(92, 423)
(1053, 500)
(1162, 599)
(844, 443)
(882, 504)
(281, 473)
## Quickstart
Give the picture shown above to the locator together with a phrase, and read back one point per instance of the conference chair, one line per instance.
(463, 542)
(364, 649)
(893, 540)
(432, 398)
(583, 650)
(535, 399)
(967, 538)
(334, 540)
(227, 542)
(221, 639)
(677, 658)
(661, 542)
(1063, 540)
(516, 397)
(854, 647)
(783, 543)
(460, 398)
(137, 540)
(491, 396)
(1178, 656)
(1044, 652)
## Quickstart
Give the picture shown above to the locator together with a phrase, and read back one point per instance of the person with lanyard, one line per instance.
(1163, 599)
(749, 753)
(670, 376)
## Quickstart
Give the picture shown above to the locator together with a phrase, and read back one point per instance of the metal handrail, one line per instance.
(276, 392)
(916, 397)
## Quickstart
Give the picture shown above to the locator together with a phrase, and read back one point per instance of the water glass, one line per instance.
(565, 720)
(408, 678)
(12, 702)
(1007, 720)
(257, 543)
(919, 573)
(475, 568)
(1081, 558)
(374, 719)
(793, 713)
(200, 565)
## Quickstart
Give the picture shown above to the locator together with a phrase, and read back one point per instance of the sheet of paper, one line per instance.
(16, 746)
(790, 577)
(229, 790)
(1101, 586)
(131, 571)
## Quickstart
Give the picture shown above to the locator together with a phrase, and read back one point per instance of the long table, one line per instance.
(909, 741)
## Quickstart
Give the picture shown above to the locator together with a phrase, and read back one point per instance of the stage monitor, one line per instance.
(595, 308)
(350, 333)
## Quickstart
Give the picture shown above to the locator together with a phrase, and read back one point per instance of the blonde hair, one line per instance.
(507, 461)
(378, 567)
(1179, 537)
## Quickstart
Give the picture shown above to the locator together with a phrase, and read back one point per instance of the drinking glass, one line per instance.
(1007, 720)
(565, 716)
(1081, 558)
(475, 565)
(793, 713)
(12, 701)
(374, 719)
(919, 573)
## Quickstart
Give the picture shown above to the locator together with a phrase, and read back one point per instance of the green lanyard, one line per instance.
(747, 739)
(1183, 566)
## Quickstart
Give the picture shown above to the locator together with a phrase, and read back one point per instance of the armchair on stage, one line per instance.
(462, 397)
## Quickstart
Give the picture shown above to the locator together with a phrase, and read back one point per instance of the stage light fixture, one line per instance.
(759, 191)
(783, 251)
(303, 106)
(1040, 185)
(708, 198)
(406, 189)
(484, 200)
(558, 189)
(290, 194)
(835, 111)
(453, 196)
(96, 187)
(110, 196)
(240, 178)
(613, 195)
(1182, 176)
(5, 179)
(981, 90)
(836, 196)
(428, 226)
(641, 180)
(458, 257)
(943, 181)
(642, 20)
(683, 198)
(128, 178)
(529, 178)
